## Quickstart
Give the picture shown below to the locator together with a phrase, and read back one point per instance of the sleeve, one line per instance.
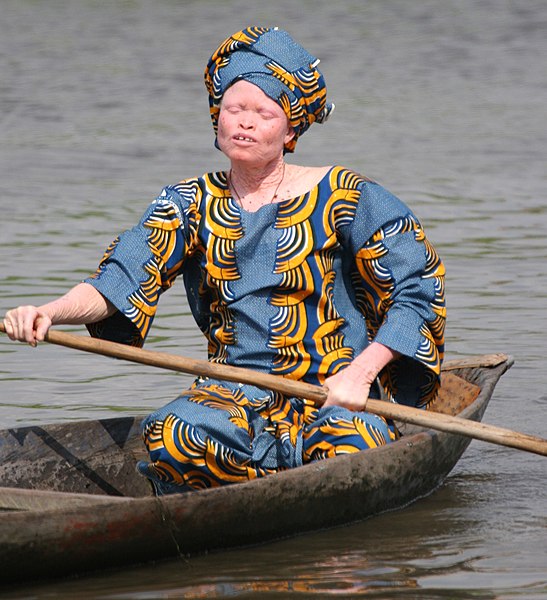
(399, 287)
(139, 266)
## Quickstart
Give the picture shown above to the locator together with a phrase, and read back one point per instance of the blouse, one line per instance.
(296, 289)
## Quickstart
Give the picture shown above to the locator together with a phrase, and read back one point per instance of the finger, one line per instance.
(13, 327)
(26, 324)
(333, 396)
(9, 327)
(42, 325)
(26, 327)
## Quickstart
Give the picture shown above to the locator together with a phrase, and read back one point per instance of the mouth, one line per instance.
(243, 138)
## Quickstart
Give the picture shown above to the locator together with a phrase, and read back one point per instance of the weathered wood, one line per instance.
(94, 457)
(485, 360)
(77, 539)
(25, 499)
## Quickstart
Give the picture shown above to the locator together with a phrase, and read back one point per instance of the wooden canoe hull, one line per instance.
(73, 539)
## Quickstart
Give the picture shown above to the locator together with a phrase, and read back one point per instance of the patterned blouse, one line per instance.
(297, 288)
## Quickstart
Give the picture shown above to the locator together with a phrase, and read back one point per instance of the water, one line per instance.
(444, 102)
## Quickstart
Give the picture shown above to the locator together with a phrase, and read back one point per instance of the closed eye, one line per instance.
(267, 114)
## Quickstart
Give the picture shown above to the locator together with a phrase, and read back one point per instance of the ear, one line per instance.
(289, 135)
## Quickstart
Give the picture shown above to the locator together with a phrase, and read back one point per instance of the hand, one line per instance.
(27, 324)
(349, 388)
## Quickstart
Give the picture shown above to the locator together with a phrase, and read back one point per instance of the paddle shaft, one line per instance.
(390, 410)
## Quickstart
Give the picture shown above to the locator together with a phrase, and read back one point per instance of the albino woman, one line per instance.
(312, 273)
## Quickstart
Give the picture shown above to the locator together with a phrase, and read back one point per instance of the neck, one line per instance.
(250, 179)
(253, 188)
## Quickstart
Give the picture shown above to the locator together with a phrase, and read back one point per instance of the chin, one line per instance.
(243, 156)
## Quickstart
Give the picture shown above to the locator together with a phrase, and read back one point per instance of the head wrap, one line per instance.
(281, 68)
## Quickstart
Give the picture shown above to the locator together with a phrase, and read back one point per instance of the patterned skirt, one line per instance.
(217, 433)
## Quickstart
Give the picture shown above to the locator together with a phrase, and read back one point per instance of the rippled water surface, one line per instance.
(443, 102)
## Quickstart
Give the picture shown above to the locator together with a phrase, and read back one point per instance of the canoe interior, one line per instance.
(91, 457)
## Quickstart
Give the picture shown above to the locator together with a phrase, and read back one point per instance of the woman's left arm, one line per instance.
(398, 281)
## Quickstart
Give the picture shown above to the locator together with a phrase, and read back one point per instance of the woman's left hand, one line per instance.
(350, 387)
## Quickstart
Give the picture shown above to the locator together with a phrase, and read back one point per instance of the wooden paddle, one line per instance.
(390, 410)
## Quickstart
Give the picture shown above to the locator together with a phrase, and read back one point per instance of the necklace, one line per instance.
(231, 182)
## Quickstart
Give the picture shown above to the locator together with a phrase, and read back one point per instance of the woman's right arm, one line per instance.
(82, 304)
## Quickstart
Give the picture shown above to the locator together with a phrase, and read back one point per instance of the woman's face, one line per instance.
(252, 128)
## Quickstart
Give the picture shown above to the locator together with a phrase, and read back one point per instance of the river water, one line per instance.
(443, 102)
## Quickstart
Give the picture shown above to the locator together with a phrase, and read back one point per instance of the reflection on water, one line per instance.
(101, 104)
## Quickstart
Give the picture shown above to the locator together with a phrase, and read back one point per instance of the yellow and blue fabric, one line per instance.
(220, 433)
(279, 66)
(297, 289)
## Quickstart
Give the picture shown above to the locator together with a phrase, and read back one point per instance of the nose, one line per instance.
(246, 120)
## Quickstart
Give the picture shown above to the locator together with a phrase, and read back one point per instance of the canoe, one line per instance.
(71, 501)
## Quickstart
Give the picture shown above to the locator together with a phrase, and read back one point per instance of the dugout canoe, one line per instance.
(71, 501)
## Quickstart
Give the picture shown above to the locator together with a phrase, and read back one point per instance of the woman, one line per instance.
(312, 273)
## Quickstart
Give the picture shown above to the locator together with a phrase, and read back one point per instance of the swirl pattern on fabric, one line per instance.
(217, 434)
(297, 288)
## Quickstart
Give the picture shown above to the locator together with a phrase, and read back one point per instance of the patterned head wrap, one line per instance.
(281, 68)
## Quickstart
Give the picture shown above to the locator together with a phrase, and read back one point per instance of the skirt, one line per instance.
(218, 433)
